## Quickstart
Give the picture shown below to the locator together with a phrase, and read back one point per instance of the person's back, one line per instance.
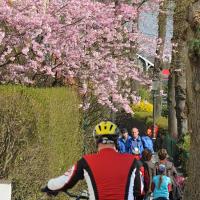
(170, 168)
(161, 184)
(111, 175)
(163, 190)
(147, 143)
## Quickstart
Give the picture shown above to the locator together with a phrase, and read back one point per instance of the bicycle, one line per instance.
(83, 195)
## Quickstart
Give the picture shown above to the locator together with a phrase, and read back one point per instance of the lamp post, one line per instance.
(155, 86)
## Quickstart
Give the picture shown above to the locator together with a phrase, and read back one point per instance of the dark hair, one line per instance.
(124, 130)
(162, 154)
(146, 155)
(160, 181)
(161, 173)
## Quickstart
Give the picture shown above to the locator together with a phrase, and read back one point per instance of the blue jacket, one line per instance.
(147, 143)
(124, 146)
(137, 143)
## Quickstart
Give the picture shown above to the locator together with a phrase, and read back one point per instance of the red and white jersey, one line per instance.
(109, 176)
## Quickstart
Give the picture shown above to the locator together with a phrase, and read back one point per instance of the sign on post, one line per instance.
(5, 190)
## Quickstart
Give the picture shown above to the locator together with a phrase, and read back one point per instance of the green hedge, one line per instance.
(161, 122)
(47, 121)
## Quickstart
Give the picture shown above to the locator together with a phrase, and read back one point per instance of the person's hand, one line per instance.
(49, 192)
(149, 192)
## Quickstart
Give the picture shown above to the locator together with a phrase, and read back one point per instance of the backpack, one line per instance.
(142, 178)
(177, 192)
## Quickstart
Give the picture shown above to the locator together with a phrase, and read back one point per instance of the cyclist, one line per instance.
(109, 175)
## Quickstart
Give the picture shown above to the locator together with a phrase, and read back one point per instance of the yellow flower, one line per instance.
(142, 106)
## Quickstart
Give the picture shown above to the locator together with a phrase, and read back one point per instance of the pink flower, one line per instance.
(25, 50)
(2, 35)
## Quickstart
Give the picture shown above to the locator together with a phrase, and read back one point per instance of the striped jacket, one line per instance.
(109, 176)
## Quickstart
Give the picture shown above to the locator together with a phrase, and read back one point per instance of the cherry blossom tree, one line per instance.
(81, 40)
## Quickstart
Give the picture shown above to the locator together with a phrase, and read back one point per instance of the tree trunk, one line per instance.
(180, 60)
(192, 190)
(172, 121)
(158, 64)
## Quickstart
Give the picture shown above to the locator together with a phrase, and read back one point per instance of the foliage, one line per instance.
(149, 121)
(144, 94)
(184, 148)
(90, 117)
(194, 46)
(162, 122)
(142, 106)
(53, 141)
(142, 116)
(185, 144)
(17, 127)
(164, 111)
(90, 46)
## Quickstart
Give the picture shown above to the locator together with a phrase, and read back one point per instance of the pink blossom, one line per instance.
(25, 50)
(81, 39)
(2, 35)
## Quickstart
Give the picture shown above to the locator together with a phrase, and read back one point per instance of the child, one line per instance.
(161, 185)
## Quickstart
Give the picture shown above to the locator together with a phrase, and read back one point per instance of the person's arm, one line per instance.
(174, 172)
(68, 180)
(129, 146)
(152, 149)
(169, 187)
(152, 186)
(141, 146)
(119, 146)
(151, 174)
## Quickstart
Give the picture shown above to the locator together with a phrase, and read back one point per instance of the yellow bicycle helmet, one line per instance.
(106, 132)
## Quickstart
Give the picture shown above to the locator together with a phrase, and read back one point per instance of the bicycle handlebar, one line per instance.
(83, 195)
(76, 196)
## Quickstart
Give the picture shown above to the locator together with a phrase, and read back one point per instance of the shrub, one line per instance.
(184, 148)
(144, 94)
(165, 111)
(17, 127)
(149, 121)
(186, 143)
(142, 106)
(162, 122)
(49, 118)
(142, 116)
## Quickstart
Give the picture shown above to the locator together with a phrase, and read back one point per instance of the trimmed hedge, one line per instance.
(49, 121)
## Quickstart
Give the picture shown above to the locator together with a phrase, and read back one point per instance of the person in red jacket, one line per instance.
(108, 174)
